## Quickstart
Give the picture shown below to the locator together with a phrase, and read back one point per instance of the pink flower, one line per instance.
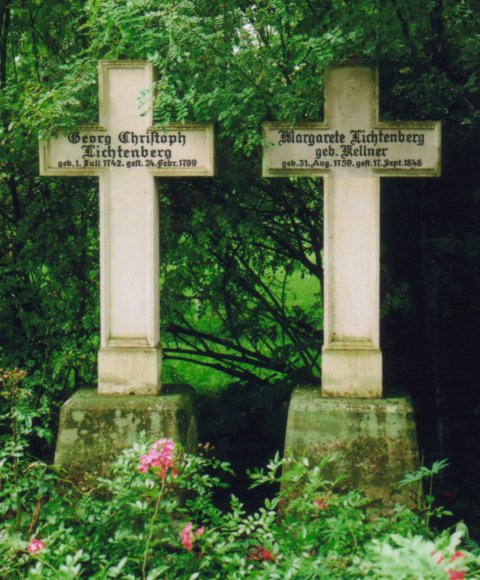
(35, 546)
(159, 456)
(187, 536)
(260, 554)
(267, 555)
(452, 574)
(321, 504)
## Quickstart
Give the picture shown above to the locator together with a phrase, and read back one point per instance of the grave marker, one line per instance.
(127, 153)
(352, 149)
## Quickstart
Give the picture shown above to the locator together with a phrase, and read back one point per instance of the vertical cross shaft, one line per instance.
(352, 360)
(129, 359)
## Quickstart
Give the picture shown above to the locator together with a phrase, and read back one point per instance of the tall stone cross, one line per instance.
(127, 152)
(352, 149)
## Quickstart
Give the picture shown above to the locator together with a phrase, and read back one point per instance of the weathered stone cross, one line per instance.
(126, 152)
(352, 149)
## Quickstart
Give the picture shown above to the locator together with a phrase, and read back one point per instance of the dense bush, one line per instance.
(155, 517)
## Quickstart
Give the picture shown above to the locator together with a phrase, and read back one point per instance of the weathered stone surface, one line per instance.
(94, 428)
(129, 371)
(353, 372)
(373, 440)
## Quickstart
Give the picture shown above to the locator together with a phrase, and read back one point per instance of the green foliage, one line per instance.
(132, 524)
(411, 557)
(228, 291)
(426, 500)
(48, 230)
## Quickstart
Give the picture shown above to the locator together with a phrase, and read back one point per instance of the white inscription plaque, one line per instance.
(385, 149)
(182, 150)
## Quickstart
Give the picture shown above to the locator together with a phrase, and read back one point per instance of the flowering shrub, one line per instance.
(188, 535)
(260, 554)
(35, 546)
(155, 517)
(160, 457)
(403, 558)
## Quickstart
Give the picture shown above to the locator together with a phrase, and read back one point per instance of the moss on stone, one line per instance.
(95, 428)
(373, 440)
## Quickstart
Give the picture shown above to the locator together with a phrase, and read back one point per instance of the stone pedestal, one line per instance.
(373, 440)
(94, 428)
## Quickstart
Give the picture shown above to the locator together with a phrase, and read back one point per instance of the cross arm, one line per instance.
(403, 148)
(64, 154)
(414, 148)
(179, 150)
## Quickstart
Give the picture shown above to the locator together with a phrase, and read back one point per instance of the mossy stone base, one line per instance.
(373, 440)
(94, 428)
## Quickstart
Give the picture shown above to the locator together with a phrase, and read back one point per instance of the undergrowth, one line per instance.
(154, 516)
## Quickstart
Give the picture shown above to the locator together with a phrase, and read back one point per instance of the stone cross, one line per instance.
(126, 152)
(352, 149)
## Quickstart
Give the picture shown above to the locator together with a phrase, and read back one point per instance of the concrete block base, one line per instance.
(94, 428)
(373, 440)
